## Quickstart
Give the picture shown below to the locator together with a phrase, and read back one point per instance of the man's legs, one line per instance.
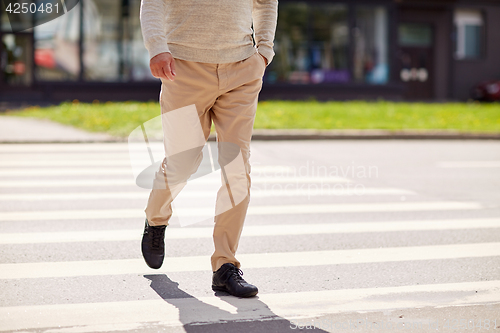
(228, 94)
(186, 119)
(233, 116)
(195, 83)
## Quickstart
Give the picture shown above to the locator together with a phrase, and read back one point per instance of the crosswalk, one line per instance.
(312, 252)
(266, 260)
(253, 231)
(131, 315)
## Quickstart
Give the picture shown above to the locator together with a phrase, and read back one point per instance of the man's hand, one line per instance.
(163, 66)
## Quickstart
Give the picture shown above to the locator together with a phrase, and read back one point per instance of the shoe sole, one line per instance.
(150, 265)
(250, 294)
(153, 267)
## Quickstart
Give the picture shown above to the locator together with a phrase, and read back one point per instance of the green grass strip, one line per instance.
(120, 119)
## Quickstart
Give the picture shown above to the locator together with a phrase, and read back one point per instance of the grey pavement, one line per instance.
(23, 130)
(341, 236)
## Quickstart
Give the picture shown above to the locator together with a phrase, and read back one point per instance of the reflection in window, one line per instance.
(311, 44)
(330, 42)
(139, 56)
(469, 24)
(371, 45)
(4, 20)
(291, 50)
(56, 48)
(101, 44)
(15, 59)
(113, 49)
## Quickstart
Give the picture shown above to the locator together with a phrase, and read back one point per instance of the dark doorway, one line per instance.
(416, 60)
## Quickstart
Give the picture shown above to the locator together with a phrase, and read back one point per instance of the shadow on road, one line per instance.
(243, 315)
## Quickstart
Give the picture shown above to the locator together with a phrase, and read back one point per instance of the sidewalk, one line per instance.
(28, 130)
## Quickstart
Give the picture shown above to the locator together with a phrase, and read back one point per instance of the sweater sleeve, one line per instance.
(265, 17)
(152, 17)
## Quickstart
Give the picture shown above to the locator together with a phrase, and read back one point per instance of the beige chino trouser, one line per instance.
(226, 94)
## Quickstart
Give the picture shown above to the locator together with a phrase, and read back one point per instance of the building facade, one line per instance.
(326, 49)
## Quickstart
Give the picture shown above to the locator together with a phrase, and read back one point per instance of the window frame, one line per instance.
(482, 36)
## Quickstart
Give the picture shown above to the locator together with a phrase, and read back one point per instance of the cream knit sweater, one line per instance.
(213, 31)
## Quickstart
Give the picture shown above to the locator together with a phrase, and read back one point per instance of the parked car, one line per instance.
(486, 91)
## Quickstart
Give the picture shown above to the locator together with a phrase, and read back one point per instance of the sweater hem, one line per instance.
(212, 56)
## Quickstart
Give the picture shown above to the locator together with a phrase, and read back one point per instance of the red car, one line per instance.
(486, 91)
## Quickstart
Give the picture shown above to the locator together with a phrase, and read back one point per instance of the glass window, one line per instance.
(101, 44)
(311, 44)
(370, 40)
(139, 56)
(329, 47)
(291, 62)
(415, 35)
(113, 49)
(15, 59)
(57, 48)
(469, 27)
(4, 19)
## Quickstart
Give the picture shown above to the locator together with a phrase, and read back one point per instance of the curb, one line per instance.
(285, 135)
(370, 135)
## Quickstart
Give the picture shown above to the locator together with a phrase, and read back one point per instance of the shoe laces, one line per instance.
(237, 273)
(157, 236)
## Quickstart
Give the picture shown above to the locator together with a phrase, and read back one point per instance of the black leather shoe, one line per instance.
(153, 245)
(228, 278)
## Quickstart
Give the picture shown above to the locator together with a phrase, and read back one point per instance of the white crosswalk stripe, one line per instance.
(266, 260)
(16, 172)
(106, 316)
(469, 164)
(57, 170)
(36, 183)
(253, 210)
(253, 231)
(9, 162)
(82, 171)
(202, 194)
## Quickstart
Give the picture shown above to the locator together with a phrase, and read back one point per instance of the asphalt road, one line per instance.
(341, 236)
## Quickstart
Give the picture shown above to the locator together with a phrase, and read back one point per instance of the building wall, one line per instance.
(468, 73)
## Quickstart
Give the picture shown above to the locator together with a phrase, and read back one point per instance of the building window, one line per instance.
(311, 44)
(469, 31)
(15, 59)
(415, 35)
(370, 40)
(4, 20)
(57, 48)
(139, 56)
(329, 45)
(290, 63)
(102, 42)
